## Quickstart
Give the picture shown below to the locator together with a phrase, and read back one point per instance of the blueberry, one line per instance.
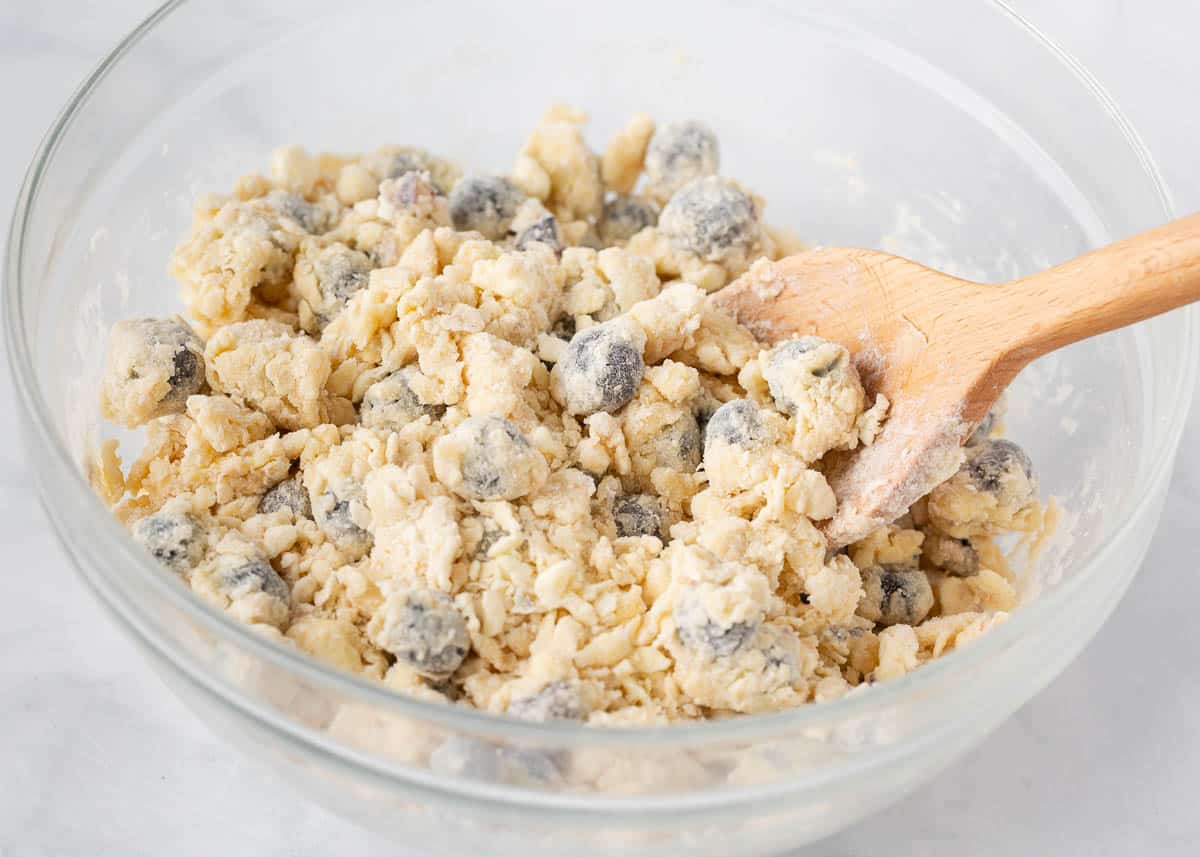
(559, 700)
(403, 163)
(798, 364)
(776, 654)
(409, 161)
(187, 376)
(413, 191)
(311, 218)
(493, 447)
(176, 541)
(342, 273)
(334, 514)
(954, 556)
(544, 231)
(637, 515)
(289, 494)
(485, 204)
(711, 218)
(251, 576)
(704, 411)
(677, 445)
(424, 630)
(894, 595)
(157, 347)
(701, 633)
(391, 404)
(795, 350)
(624, 217)
(564, 327)
(678, 153)
(993, 463)
(600, 371)
(736, 423)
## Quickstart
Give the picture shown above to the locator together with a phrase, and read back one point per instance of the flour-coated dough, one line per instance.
(536, 472)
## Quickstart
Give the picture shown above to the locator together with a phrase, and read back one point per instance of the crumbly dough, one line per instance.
(486, 440)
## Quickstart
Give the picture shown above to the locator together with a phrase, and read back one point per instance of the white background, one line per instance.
(97, 758)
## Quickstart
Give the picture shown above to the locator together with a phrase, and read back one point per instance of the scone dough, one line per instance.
(485, 439)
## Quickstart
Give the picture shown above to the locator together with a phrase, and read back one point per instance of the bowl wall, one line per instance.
(988, 156)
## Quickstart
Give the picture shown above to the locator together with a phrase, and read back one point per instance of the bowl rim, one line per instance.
(48, 446)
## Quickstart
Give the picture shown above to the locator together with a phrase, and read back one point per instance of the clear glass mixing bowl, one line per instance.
(947, 130)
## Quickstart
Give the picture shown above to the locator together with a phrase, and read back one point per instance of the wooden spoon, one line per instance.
(943, 349)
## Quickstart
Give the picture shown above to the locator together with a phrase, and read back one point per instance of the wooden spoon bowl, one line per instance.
(942, 349)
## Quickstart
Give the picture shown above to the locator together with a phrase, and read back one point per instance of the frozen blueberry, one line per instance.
(424, 629)
(289, 494)
(637, 515)
(798, 364)
(249, 577)
(311, 218)
(414, 192)
(624, 217)
(711, 218)
(487, 458)
(564, 327)
(162, 349)
(994, 463)
(801, 350)
(187, 375)
(778, 655)
(176, 541)
(408, 161)
(403, 163)
(487, 463)
(704, 411)
(334, 514)
(600, 371)
(678, 153)
(559, 700)
(954, 556)
(391, 404)
(342, 273)
(701, 633)
(485, 204)
(544, 231)
(895, 595)
(678, 445)
(736, 423)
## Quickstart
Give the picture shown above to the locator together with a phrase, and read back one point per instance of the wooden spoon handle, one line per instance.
(1108, 288)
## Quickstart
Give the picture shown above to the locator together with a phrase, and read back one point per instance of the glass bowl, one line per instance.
(949, 131)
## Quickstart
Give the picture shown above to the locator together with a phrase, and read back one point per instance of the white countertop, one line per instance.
(98, 758)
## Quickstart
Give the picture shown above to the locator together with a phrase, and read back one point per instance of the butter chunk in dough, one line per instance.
(557, 145)
(237, 248)
(266, 365)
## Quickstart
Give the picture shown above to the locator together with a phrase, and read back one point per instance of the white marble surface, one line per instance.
(97, 758)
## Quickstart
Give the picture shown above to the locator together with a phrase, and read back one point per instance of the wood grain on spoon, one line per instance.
(943, 349)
